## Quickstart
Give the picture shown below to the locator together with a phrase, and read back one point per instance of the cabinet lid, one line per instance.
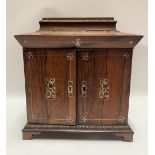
(77, 24)
(78, 32)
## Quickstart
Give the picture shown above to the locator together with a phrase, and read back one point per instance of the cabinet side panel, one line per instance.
(126, 84)
(27, 85)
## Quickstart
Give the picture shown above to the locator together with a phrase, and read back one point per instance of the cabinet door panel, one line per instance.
(51, 86)
(100, 79)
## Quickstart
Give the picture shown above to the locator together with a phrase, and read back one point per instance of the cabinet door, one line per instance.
(103, 90)
(50, 77)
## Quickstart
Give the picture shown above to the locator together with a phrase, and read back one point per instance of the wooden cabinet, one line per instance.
(77, 78)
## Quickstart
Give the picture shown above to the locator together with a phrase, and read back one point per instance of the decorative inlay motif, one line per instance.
(121, 119)
(33, 117)
(29, 54)
(84, 56)
(104, 89)
(50, 88)
(77, 42)
(69, 119)
(126, 55)
(131, 42)
(84, 119)
(70, 56)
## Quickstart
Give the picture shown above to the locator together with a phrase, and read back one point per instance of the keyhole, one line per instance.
(70, 89)
(84, 89)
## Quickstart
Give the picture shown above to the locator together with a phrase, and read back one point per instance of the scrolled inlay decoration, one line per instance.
(50, 88)
(104, 90)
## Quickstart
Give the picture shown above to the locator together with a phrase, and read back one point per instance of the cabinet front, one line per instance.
(100, 86)
(51, 85)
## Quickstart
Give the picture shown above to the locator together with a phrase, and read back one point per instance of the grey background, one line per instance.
(23, 17)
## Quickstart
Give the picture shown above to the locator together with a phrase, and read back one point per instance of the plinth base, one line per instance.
(116, 132)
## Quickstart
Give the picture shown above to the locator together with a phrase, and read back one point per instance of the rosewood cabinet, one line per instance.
(77, 78)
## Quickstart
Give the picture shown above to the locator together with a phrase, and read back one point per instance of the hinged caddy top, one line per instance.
(79, 33)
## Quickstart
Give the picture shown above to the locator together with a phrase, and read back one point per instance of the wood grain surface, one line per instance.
(103, 63)
(47, 63)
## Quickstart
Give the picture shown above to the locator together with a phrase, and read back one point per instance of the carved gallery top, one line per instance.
(78, 32)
